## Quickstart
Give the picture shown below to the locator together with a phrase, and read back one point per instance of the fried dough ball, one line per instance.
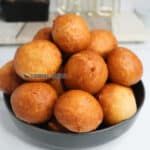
(87, 71)
(78, 111)
(33, 102)
(118, 103)
(37, 60)
(70, 32)
(44, 34)
(124, 67)
(102, 41)
(8, 78)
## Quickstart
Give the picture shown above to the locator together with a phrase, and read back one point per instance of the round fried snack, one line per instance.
(87, 71)
(70, 32)
(8, 78)
(33, 102)
(78, 111)
(102, 41)
(44, 34)
(118, 103)
(124, 67)
(37, 60)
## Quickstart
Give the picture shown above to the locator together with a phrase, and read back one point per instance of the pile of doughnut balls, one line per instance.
(94, 82)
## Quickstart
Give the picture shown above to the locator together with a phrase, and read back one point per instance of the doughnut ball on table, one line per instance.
(44, 34)
(87, 71)
(124, 67)
(78, 111)
(118, 103)
(102, 41)
(71, 33)
(33, 102)
(9, 80)
(37, 60)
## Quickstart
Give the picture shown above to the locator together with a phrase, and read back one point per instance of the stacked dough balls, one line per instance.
(69, 102)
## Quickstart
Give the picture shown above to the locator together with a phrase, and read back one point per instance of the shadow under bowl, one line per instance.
(70, 141)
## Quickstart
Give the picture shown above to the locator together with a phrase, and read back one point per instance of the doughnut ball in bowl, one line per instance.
(102, 41)
(33, 102)
(44, 34)
(124, 67)
(87, 71)
(78, 111)
(37, 60)
(118, 103)
(9, 80)
(70, 32)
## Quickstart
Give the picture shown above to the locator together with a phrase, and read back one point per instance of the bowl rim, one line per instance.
(86, 133)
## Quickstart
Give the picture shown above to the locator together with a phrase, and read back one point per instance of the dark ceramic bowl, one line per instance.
(78, 141)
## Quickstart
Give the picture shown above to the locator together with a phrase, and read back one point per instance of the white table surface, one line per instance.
(138, 137)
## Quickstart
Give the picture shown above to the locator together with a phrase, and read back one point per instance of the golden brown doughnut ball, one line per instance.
(102, 41)
(33, 102)
(8, 78)
(44, 34)
(124, 67)
(37, 60)
(78, 111)
(70, 32)
(118, 103)
(53, 125)
(86, 70)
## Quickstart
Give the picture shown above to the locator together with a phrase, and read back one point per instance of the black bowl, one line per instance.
(85, 140)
